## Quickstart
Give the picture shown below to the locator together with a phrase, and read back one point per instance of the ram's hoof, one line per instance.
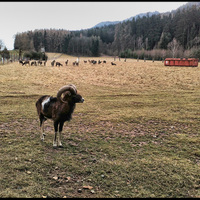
(60, 146)
(42, 137)
(55, 145)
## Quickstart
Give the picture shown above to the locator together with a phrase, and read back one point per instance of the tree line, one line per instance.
(4, 53)
(173, 34)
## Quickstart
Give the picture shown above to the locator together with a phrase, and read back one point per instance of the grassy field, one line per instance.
(136, 135)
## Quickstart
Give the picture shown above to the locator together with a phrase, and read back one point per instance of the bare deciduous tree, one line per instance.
(173, 46)
(1, 45)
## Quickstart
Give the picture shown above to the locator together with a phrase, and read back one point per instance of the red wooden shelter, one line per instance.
(187, 62)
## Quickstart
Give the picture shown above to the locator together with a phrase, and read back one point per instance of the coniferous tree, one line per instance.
(95, 46)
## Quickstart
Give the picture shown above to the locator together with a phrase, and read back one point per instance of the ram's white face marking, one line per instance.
(44, 102)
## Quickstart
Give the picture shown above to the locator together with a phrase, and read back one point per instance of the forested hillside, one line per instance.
(174, 34)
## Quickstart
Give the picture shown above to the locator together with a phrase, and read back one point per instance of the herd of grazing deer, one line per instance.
(56, 63)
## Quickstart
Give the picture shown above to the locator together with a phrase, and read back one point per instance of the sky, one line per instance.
(18, 17)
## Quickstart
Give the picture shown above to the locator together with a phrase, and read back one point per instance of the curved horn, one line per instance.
(71, 88)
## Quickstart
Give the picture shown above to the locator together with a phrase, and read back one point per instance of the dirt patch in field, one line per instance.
(103, 129)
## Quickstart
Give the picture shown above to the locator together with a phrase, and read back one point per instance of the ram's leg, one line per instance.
(59, 135)
(55, 136)
(42, 131)
(42, 120)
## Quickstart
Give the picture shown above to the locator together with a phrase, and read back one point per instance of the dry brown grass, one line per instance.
(132, 75)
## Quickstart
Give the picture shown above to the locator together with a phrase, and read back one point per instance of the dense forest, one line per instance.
(172, 34)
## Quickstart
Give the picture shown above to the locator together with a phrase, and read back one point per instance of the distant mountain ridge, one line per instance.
(189, 4)
(107, 23)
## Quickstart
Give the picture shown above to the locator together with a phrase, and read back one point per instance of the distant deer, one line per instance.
(52, 63)
(58, 64)
(112, 63)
